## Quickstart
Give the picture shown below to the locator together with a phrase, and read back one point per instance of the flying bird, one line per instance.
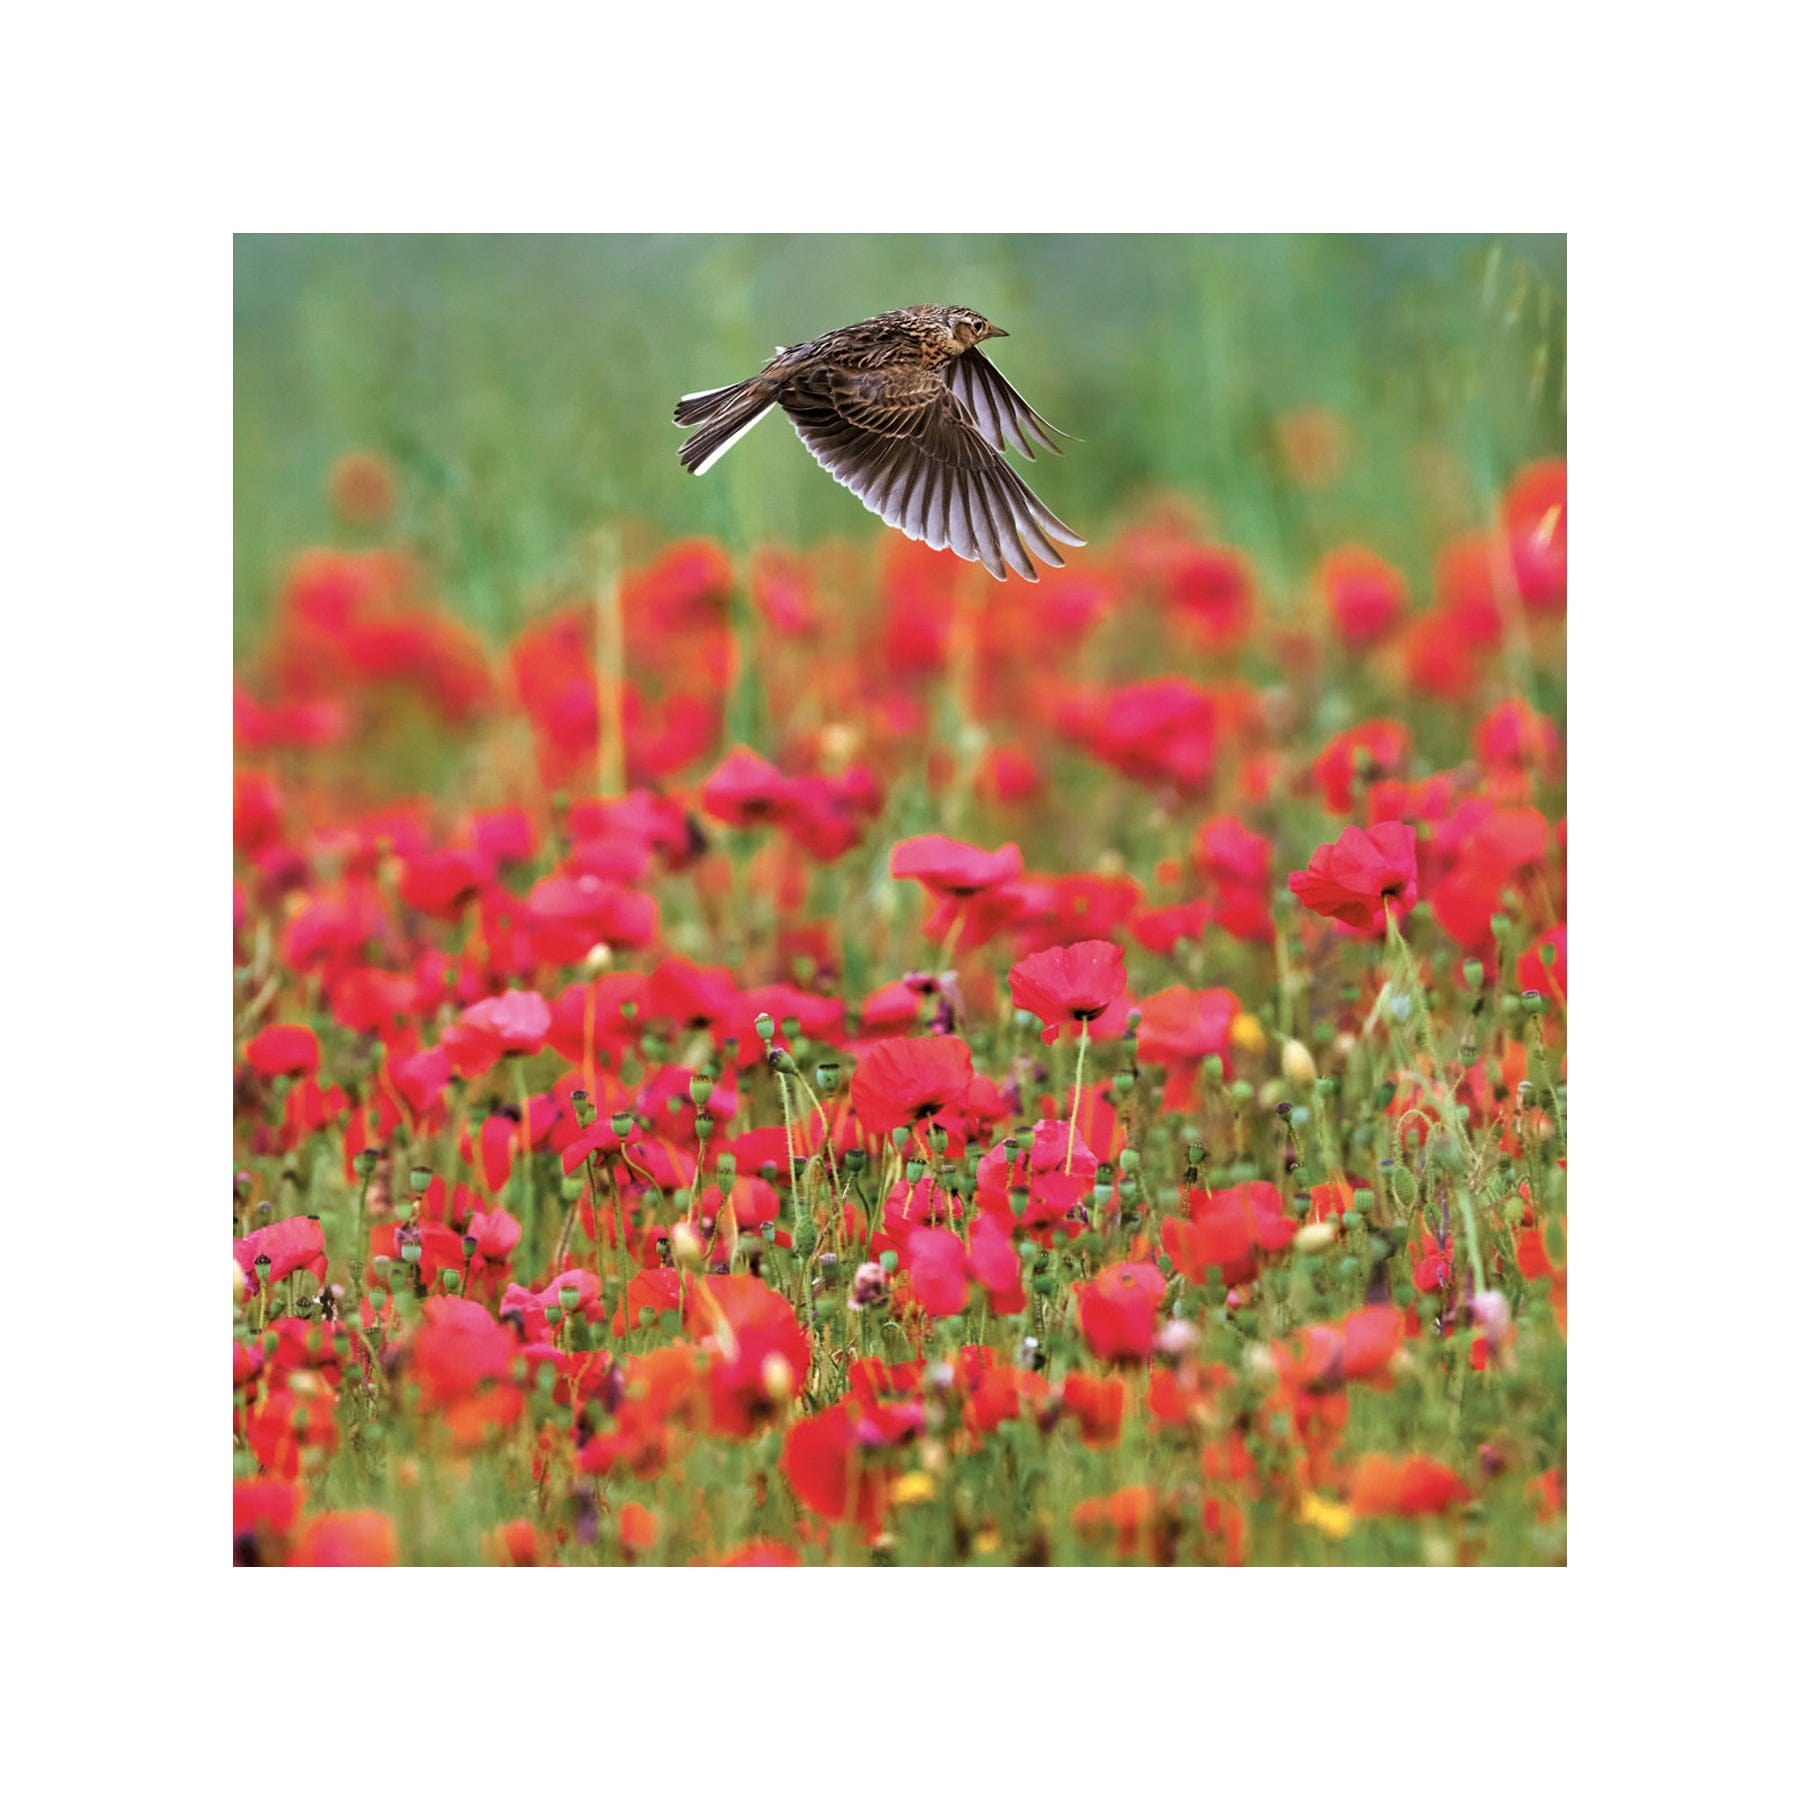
(908, 414)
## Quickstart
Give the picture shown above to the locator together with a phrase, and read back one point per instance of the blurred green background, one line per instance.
(522, 386)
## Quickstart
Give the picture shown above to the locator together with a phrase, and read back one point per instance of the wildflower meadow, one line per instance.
(755, 1043)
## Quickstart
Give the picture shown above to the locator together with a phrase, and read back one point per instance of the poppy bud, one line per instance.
(452, 1280)
(782, 1062)
(1213, 1069)
(915, 1168)
(778, 1378)
(890, 1260)
(700, 1088)
(600, 957)
(703, 1126)
(939, 1139)
(569, 1295)
(1472, 971)
(899, 1135)
(1405, 1185)
(621, 1123)
(470, 1243)
(765, 1028)
(1532, 1001)
(571, 1188)
(366, 1161)
(263, 1266)
(856, 1160)
(1242, 1092)
(1309, 1240)
(420, 1179)
(553, 1314)
(1124, 1082)
(584, 1107)
(1297, 1066)
(411, 1250)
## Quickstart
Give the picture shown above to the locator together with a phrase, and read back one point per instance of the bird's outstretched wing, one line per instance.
(919, 460)
(999, 409)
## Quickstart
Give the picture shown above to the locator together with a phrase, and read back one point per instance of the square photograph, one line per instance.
(978, 982)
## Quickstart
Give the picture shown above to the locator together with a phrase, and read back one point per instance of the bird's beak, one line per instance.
(995, 331)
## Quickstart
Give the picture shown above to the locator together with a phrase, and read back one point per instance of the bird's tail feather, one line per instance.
(723, 415)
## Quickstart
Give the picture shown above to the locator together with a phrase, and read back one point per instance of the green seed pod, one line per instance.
(765, 1027)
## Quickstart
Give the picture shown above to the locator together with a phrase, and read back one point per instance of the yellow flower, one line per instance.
(1246, 1035)
(1331, 1516)
(913, 1487)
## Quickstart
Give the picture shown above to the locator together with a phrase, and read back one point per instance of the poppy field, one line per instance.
(780, 1049)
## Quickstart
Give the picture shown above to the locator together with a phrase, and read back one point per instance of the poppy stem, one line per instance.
(530, 1189)
(1075, 1110)
(609, 663)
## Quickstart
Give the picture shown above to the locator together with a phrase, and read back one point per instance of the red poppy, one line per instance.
(1231, 854)
(1358, 1348)
(441, 883)
(1162, 731)
(1513, 736)
(937, 1270)
(515, 1023)
(761, 1553)
(1366, 595)
(901, 1081)
(745, 790)
(1097, 1403)
(1362, 876)
(1375, 751)
(1075, 982)
(263, 1515)
(1409, 1488)
(951, 870)
(1118, 1310)
(995, 1264)
(1535, 514)
(1179, 1028)
(289, 1244)
(1229, 1231)
(283, 1050)
(343, 1540)
(833, 1471)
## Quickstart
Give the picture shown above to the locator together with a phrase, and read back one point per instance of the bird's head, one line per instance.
(969, 328)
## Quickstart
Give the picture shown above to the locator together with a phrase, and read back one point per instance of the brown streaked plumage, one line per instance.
(908, 414)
